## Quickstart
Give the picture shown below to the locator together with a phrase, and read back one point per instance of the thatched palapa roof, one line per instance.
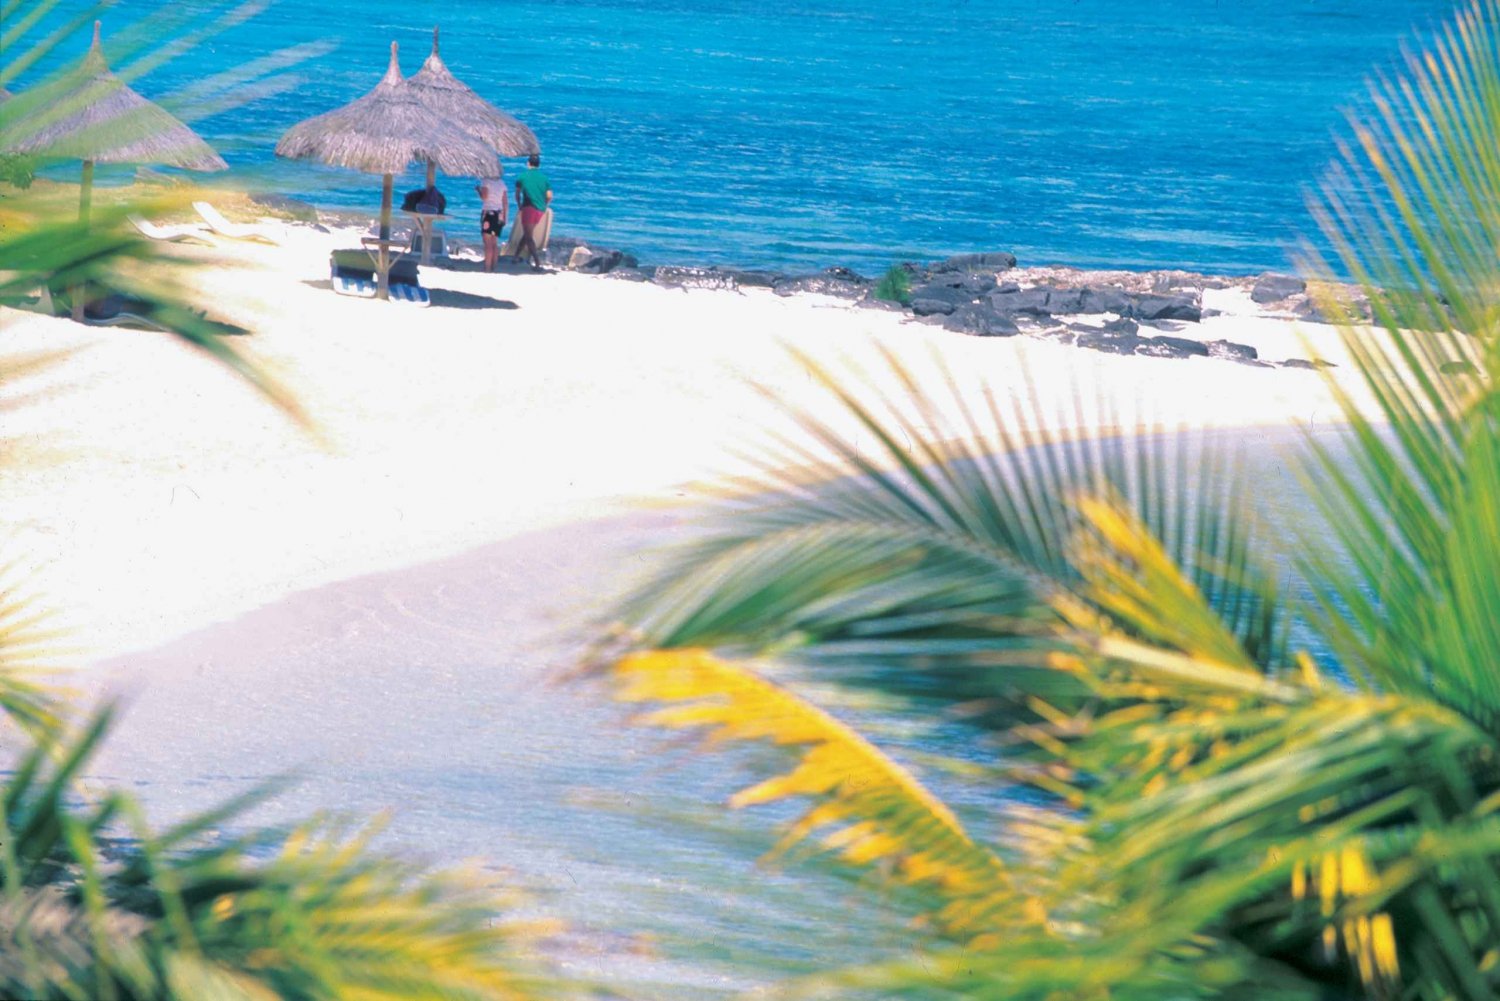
(385, 132)
(441, 91)
(90, 114)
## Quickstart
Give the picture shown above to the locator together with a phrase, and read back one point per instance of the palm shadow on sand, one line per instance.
(441, 297)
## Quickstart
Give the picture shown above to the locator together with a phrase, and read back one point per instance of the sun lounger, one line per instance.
(410, 295)
(353, 273)
(111, 311)
(233, 230)
(360, 287)
(174, 234)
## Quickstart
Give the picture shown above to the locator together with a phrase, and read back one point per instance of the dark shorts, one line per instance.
(530, 216)
(490, 222)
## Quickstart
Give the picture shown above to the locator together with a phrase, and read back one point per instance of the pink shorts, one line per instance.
(530, 216)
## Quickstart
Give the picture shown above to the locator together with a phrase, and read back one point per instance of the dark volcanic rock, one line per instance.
(1124, 325)
(991, 262)
(981, 321)
(1040, 301)
(1104, 299)
(599, 262)
(632, 274)
(819, 285)
(1304, 363)
(1171, 347)
(870, 302)
(846, 275)
(1229, 349)
(1355, 304)
(755, 279)
(974, 283)
(936, 298)
(1274, 288)
(678, 277)
(1111, 343)
(1167, 307)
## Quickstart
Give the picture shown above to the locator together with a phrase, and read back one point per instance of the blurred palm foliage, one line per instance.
(94, 903)
(1185, 802)
(50, 253)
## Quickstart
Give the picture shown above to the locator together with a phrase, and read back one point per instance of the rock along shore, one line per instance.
(1151, 313)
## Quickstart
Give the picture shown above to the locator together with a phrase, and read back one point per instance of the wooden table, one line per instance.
(423, 222)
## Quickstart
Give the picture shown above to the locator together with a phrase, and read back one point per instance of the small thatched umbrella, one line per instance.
(90, 115)
(449, 98)
(383, 133)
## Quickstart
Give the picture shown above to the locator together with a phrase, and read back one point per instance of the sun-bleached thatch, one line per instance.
(91, 115)
(446, 96)
(387, 131)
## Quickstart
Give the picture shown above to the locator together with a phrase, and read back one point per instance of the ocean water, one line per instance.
(1174, 133)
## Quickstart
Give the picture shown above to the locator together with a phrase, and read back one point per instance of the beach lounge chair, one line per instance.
(108, 311)
(174, 234)
(353, 273)
(233, 230)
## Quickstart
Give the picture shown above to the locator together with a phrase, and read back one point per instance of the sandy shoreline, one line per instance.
(151, 493)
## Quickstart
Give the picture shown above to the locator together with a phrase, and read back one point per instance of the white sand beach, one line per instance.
(376, 605)
(153, 492)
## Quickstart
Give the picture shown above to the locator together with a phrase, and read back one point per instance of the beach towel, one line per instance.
(543, 234)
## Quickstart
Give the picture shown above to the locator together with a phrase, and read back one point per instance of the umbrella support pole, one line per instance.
(85, 200)
(431, 174)
(383, 263)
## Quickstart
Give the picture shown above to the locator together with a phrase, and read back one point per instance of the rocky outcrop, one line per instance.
(990, 262)
(1231, 350)
(1275, 288)
(981, 321)
(1180, 306)
(672, 276)
(1172, 347)
(931, 299)
(823, 284)
(1107, 341)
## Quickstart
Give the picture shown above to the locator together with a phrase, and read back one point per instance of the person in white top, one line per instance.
(494, 207)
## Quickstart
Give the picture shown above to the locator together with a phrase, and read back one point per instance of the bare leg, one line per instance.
(491, 252)
(529, 241)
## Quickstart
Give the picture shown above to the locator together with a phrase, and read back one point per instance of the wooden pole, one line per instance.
(383, 263)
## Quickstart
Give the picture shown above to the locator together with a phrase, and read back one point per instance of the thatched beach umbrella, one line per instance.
(383, 133)
(442, 92)
(90, 115)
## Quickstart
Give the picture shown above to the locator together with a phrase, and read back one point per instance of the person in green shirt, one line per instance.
(534, 196)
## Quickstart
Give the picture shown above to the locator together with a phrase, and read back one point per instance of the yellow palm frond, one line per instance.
(867, 809)
(1129, 575)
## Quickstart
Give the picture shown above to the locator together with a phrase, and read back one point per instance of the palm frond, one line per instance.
(926, 569)
(97, 911)
(867, 808)
(1412, 215)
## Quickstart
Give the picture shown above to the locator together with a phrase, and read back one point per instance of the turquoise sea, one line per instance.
(804, 134)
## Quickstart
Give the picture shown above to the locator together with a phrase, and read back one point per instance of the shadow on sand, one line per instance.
(441, 297)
